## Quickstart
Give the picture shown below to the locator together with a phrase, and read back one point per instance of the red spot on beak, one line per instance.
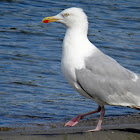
(46, 21)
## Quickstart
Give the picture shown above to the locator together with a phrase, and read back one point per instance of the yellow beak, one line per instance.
(49, 19)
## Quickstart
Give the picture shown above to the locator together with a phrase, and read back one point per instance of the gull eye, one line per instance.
(66, 14)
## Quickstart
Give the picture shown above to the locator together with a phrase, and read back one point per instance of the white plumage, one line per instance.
(92, 73)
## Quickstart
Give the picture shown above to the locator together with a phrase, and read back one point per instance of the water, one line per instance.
(32, 87)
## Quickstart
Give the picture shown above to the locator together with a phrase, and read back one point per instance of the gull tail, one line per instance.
(137, 108)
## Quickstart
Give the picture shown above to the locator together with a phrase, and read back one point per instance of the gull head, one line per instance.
(71, 17)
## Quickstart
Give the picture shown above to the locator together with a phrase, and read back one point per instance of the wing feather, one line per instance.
(105, 79)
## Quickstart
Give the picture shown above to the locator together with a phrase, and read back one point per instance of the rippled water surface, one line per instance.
(32, 87)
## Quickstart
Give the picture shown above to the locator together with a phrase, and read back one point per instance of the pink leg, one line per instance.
(75, 120)
(98, 127)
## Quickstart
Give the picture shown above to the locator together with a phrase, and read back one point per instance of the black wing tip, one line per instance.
(137, 108)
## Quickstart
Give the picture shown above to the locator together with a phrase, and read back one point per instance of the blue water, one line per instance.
(32, 87)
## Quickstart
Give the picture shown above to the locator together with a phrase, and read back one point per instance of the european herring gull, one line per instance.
(92, 73)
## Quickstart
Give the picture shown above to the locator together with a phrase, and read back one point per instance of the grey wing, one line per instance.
(104, 65)
(110, 82)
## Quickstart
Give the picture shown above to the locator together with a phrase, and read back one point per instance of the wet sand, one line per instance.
(114, 128)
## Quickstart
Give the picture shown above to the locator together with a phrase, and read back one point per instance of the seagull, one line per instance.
(92, 73)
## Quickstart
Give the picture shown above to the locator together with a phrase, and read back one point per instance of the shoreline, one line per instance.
(116, 128)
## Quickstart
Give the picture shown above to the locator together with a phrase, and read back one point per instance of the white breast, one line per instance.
(73, 56)
(69, 66)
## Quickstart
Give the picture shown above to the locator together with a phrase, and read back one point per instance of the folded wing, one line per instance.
(105, 79)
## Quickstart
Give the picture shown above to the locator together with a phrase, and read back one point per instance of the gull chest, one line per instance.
(68, 65)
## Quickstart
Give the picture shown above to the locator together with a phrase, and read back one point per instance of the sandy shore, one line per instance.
(114, 128)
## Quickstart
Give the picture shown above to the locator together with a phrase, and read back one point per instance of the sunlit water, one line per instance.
(32, 87)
